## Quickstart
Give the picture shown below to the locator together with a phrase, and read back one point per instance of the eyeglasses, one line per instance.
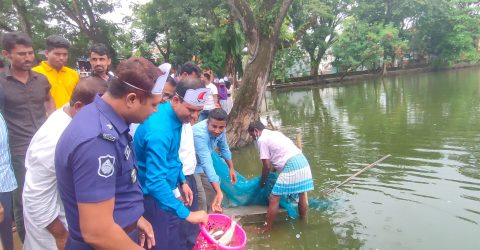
(167, 96)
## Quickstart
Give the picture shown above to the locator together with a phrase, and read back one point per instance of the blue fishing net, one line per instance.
(248, 192)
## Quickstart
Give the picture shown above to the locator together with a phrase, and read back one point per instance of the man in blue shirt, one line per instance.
(156, 144)
(209, 134)
(95, 164)
(7, 185)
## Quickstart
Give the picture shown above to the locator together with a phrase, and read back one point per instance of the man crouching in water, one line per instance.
(279, 152)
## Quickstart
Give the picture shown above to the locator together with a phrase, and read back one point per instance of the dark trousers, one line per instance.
(166, 226)
(18, 163)
(205, 193)
(73, 244)
(188, 231)
(6, 225)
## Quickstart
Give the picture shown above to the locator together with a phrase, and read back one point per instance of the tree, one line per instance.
(448, 30)
(169, 25)
(26, 16)
(85, 16)
(261, 22)
(359, 45)
(289, 61)
(222, 47)
(80, 21)
(318, 20)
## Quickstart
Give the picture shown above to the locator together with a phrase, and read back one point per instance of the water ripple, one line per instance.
(473, 198)
(443, 151)
(440, 162)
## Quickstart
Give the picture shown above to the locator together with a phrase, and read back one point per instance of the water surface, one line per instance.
(425, 196)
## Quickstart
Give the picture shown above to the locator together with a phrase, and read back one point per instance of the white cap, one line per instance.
(161, 80)
(197, 97)
(159, 83)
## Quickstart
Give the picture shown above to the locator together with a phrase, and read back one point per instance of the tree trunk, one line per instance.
(230, 64)
(314, 67)
(249, 98)
(261, 50)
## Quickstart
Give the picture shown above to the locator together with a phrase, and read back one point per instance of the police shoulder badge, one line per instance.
(106, 166)
(108, 137)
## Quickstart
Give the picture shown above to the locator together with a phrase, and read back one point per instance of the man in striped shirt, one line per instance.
(7, 185)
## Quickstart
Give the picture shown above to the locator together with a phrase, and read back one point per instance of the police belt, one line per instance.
(74, 244)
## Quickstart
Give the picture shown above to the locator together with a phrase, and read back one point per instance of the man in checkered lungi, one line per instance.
(279, 153)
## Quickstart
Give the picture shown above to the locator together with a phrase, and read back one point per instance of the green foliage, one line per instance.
(393, 45)
(364, 45)
(10, 19)
(449, 30)
(167, 26)
(318, 19)
(376, 31)
(190, 30)
(224, 40)
(41, 18)
(445, 30)
(287, 59)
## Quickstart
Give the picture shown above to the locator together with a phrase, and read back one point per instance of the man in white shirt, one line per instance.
(44, 216)
(211, 99)
(186, 153)
(295, 177)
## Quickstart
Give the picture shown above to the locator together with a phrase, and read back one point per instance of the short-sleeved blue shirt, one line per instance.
(94, 162)
(205, 144)
(156, 142)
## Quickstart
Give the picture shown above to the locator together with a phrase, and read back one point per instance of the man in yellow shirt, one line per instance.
(62, 79)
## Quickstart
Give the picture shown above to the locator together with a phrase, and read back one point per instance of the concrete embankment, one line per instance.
(352, 77)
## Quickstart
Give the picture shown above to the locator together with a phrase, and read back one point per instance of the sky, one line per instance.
(122, 10)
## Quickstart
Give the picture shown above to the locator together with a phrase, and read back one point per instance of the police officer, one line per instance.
(95, 164)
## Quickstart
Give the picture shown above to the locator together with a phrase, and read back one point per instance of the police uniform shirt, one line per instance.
(94, 162)
(156, 142)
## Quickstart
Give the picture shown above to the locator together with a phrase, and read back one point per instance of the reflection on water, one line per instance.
(426, 196)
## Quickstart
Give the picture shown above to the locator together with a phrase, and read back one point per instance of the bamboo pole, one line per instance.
(356, 174)
(299, 142)
(298, 138)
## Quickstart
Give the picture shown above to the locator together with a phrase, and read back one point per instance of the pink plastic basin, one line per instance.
(220, 222)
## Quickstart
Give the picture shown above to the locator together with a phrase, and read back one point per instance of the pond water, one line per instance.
(425, 196)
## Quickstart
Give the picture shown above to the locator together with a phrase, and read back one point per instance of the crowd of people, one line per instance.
(123, 160)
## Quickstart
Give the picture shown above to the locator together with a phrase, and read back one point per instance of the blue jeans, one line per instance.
(6, 225)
